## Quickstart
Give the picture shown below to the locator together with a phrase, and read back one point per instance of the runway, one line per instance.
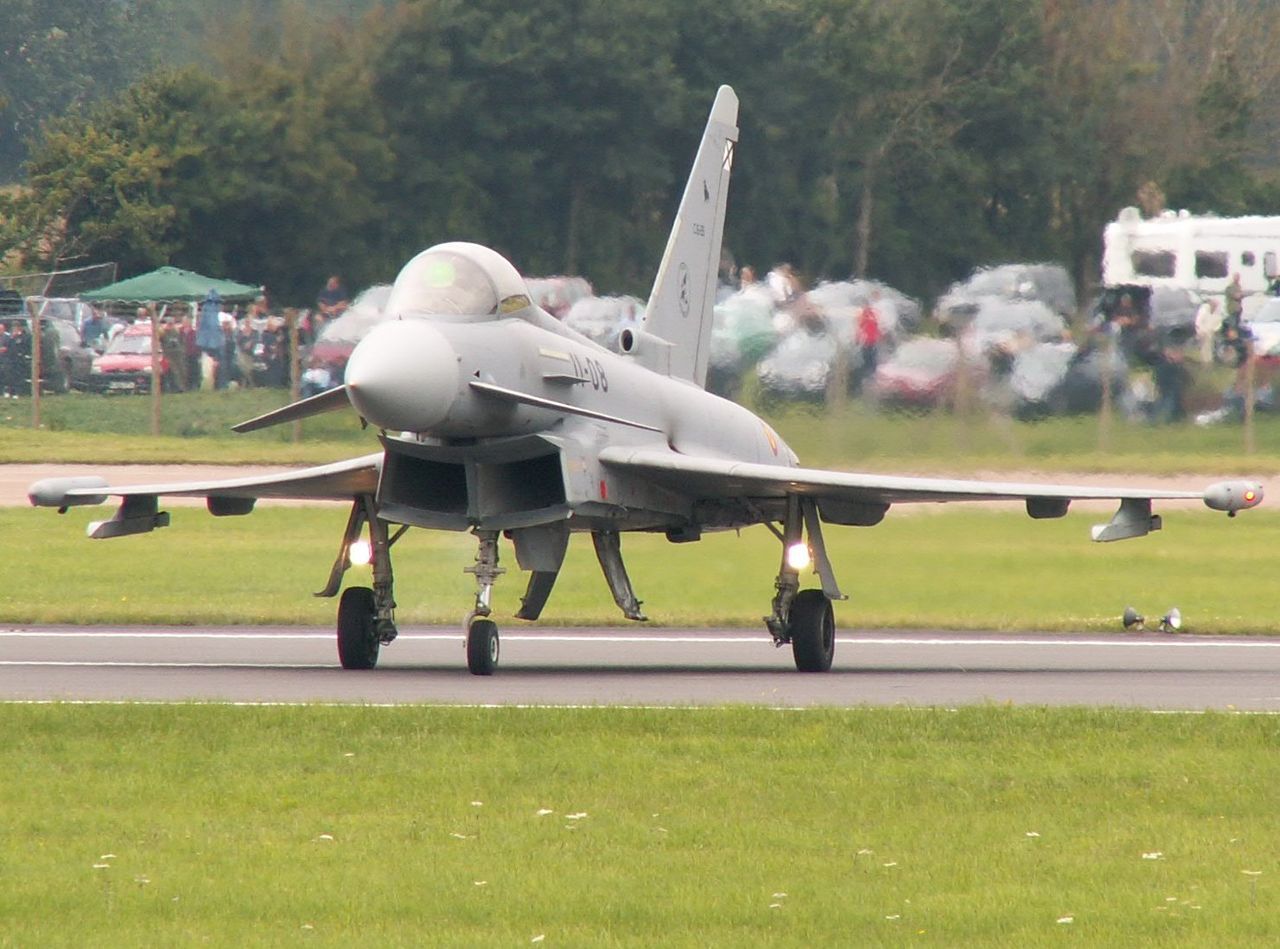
(648, 667)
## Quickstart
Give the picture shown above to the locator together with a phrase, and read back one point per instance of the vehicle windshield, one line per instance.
(130, 344)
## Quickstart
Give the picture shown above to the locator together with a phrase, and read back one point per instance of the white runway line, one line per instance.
(674, 639)
(578, 707)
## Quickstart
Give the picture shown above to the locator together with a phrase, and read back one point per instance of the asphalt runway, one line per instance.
(650, 667)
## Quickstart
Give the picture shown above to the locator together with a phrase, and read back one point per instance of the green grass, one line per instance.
(942, 442)
(958, 569)
(196, 428)
(421, 826)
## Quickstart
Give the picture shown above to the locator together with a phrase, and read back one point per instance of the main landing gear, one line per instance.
(366, 615)
(804, 618)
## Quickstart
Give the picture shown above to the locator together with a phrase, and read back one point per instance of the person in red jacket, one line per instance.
(867, 334)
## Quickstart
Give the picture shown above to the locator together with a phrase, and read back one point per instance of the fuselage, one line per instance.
(431, 384)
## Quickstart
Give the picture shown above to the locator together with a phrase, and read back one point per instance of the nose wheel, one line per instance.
(482, 647)
(482, 632)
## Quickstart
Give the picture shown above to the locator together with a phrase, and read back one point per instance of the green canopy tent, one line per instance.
(170, 284)
(164, 286)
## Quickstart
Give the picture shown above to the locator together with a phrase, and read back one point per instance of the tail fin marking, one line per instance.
(683, 295)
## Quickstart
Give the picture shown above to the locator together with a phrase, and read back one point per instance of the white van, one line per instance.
(1193, 252)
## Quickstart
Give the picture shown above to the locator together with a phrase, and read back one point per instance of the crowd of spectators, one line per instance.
(212, 344)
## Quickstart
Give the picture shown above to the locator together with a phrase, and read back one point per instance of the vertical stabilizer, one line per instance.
(680, 304)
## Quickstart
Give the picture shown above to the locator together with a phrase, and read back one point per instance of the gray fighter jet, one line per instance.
(497, 419)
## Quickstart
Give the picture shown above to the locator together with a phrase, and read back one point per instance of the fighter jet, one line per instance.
(497, 419)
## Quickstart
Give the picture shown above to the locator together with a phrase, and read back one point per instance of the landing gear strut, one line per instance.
(482, 632)
(804, 618)
(366, 616)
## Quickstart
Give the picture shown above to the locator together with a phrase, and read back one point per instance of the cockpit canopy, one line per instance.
(458, 281)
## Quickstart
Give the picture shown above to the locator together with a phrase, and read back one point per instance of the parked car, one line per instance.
(1010, 325)
(125, 366)
(75, 359)
(1049, 284)
(923, 373)
(799, 368)
(1062, 379)
(1264, 328)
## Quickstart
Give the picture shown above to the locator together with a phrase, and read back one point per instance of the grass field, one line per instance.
(959, 568)
(181, 825)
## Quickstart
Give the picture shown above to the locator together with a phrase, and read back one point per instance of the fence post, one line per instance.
(1249, 394)
(1105, 407)
(157, 382)
(35, 367)
(295, 375)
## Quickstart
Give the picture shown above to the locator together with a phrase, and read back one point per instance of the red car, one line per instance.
(125, 366)
(922, 373)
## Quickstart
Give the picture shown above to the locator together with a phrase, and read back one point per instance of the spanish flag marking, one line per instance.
(773, 438)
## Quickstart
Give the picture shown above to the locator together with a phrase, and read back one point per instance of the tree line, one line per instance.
(278, 140)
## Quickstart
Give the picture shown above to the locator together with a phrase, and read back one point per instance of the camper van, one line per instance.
(1196, 253)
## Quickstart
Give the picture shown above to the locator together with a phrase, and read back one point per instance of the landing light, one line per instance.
(360, 553)
(1171, 622)
(1132, 618)
(798, 556)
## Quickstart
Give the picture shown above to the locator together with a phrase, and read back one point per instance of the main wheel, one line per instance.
(813, 631)
(482, 647)
(357, 641)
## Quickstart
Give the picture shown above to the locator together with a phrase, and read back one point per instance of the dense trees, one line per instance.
(56, 54)
(909, 140)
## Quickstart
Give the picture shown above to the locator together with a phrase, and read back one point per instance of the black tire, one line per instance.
(357, 642)
(482, 647)
(813, 631)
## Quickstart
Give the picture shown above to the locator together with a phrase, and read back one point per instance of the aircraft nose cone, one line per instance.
(403, 376)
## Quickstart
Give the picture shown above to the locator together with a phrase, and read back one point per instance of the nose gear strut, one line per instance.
(482, 633)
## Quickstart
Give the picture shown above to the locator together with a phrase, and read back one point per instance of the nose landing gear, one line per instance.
(482, 632)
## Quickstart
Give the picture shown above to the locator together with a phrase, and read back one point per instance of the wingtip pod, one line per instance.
(56, 492)
(1232, 496)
